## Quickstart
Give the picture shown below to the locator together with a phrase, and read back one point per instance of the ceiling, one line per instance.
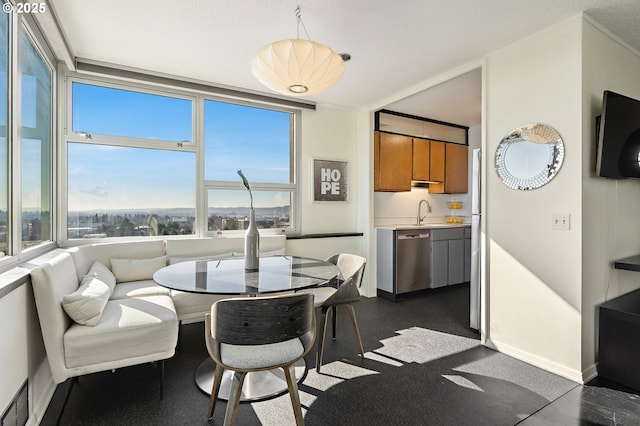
(394, 46)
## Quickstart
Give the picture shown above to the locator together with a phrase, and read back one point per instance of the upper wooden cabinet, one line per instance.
(428, 160)
(421, 162)
(456, 171)
(398, 159)
(392, 159)
(437, 169)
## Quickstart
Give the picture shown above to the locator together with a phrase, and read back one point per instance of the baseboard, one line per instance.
(529, 358)
(589, 373)
(41, 405)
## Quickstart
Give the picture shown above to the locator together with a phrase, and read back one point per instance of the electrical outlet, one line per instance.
(560, 221)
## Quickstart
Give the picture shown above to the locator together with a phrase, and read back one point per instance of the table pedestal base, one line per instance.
(257, 385)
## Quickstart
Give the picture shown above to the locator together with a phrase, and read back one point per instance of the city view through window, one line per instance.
(131, 165)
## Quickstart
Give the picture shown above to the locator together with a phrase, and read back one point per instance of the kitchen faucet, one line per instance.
(420, 218)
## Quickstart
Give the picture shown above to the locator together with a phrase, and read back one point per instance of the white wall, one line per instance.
(534, 273)
(610, 207)
(330, 133)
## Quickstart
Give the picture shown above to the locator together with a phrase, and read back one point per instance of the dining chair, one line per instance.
(344, 292)
(258, 333)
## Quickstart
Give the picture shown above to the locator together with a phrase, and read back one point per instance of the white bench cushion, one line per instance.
(84, 256)
(128, 328)
(139, 289)
(136, 269)
(194, 306)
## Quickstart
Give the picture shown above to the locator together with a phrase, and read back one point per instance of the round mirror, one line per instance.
(529, 156)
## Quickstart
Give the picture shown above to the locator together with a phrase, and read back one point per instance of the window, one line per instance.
(130, 168)
(118, 191)
(143, 162)
(258, 141)
(26, 140)
(4, 135)
(35, 144)
(117, 112)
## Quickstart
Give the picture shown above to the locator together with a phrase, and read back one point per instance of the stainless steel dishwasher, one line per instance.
(412, 260)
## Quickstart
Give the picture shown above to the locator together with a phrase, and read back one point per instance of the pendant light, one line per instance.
(298, 67)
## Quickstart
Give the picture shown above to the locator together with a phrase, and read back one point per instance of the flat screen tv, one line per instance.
(618, 143)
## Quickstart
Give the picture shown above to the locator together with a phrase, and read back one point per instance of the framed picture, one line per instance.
(330, 180)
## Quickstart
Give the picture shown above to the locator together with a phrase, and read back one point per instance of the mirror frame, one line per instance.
(531, 133)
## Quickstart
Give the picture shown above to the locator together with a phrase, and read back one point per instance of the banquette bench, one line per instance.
(99, 308)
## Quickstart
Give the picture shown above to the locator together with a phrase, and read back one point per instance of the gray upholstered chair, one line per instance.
(255, 334)
(344, 293)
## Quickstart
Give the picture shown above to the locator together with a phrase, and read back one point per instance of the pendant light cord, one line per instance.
(299, 18)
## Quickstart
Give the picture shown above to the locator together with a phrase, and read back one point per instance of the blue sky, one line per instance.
(109, 177)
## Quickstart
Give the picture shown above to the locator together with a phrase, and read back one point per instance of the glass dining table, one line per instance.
(227, 277)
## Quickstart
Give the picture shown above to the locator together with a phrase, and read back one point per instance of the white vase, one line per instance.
(251, 244)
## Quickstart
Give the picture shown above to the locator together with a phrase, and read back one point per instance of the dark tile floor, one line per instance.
(423, 366)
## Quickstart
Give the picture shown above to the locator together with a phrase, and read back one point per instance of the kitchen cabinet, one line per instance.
(393, 163)
(456, 173)
(428, 160)
(449, 257)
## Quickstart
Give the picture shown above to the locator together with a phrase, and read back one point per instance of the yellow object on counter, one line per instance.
(454, 220)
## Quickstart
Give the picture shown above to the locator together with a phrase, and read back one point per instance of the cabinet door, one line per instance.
(437, 161)
(420, 159)
(457, 169)
(395, 162)
(439, 263)
(456, 262)
(456, 173)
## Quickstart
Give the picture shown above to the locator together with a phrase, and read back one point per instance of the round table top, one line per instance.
(228, 276)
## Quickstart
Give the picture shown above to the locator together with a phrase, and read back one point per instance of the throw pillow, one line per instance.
(85, 305)
(127, 270)
(101, 272)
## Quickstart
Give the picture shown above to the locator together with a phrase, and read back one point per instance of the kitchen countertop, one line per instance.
(426, 226)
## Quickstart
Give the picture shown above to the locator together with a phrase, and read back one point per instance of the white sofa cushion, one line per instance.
(84, 256)
(136, 269)
(142, 288)
(101, 272)
(192, 307)
(128, 328)
(85, 305)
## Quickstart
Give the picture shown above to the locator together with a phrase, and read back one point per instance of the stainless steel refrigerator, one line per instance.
(475, 287)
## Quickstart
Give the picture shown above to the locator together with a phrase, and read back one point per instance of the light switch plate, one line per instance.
(560, 221)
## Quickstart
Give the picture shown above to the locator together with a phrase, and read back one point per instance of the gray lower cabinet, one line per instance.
(450, 257)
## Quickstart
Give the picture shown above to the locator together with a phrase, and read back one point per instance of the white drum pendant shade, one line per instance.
(297, 67)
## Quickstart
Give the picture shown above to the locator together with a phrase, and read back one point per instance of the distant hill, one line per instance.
(185, 211)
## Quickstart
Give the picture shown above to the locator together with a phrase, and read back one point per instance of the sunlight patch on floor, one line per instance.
(421, 345)
(462, 381)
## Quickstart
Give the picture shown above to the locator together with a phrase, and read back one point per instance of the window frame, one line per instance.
(202, 186)
(19, 24)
